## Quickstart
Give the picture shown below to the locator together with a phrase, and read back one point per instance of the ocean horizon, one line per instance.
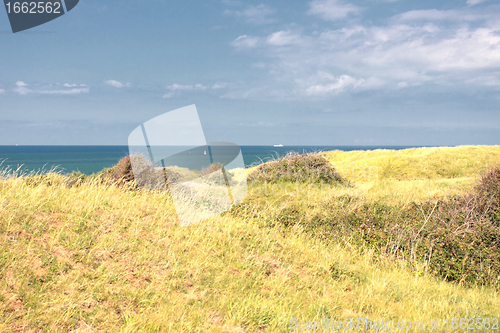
(92, 159)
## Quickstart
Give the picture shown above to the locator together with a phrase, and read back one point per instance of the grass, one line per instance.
(108, 257)
(414, 174)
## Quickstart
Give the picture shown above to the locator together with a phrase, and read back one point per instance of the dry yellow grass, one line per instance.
(414, 174)
(105, 258)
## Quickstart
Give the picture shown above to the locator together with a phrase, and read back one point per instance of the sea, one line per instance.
(92, 159)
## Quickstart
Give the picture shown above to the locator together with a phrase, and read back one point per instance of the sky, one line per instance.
(320, 72)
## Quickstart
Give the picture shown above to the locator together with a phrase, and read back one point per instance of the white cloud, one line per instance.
(176, 89)
(428, 14)
(65, 92)
(340, 84)
(458, 15)
(21, 88)
(200, 87)
(219, 85)
(2, 91)
(50, 89)
(400, 54)
(420, 50)
(176, 86)
(282, 38)
(244, 41)
(324, 83)
(116, 84)
(254, 14)
(169, 95)
(475, 2)
(332, 10)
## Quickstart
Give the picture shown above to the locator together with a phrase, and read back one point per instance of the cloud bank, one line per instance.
(21, 88)
(447, 48)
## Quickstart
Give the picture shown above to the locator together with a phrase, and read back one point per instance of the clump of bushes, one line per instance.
(456, 238)
(150, 177)
(121, 174)
(463, 238)
(306, 168)
(458, 242)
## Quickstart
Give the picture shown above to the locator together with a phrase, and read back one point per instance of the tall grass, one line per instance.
(98, 256)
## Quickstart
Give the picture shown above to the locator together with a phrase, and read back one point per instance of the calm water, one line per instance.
(91, 159)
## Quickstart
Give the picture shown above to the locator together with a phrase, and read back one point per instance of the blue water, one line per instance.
(92, 159)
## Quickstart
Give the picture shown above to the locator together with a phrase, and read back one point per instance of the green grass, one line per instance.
(100, 257)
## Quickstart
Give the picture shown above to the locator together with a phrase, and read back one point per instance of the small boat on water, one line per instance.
(278, 145)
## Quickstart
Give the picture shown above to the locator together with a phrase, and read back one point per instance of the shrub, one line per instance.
(122, 172)
(485, 197)
(149, 177)
(306, 168)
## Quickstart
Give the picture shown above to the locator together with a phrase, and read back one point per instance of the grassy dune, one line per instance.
(98, 257)
(414, 174)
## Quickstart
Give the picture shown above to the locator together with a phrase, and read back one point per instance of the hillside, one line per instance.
(414, 174)
(88, 256)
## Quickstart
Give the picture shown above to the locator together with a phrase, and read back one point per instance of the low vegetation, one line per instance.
(306, 168)
(354, 240)
(456, 237)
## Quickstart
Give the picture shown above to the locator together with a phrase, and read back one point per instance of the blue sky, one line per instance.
(320, 72)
